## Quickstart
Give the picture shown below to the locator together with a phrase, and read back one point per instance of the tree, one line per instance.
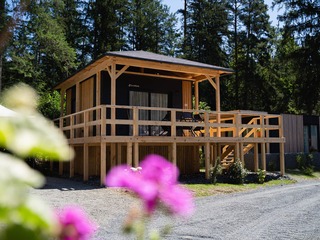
(39, 53)
(151, 27)
(301, 21)
(206, 29)
(252, 34)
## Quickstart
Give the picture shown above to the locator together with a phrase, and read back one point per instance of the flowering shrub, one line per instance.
(28, 134)
(157, 186)
(74, 224)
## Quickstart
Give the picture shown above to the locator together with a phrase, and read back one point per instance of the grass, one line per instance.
(299, 176)
(205, 189)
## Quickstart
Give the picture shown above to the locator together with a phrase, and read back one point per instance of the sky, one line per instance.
(178, 4)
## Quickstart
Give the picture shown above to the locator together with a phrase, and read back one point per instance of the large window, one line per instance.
(148, 99)
(310, 138)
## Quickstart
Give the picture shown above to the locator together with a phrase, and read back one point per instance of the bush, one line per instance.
(236, 173)
(305, 163)
(261, 176)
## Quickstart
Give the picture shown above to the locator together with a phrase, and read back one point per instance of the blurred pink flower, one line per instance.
(155, 183)
(75, 225)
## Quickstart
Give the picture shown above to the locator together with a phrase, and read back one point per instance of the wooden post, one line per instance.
(174, 153)
(61, 163)
(263, 157)
(85, 162)
(71, 173)
(98, 99)
(218, 109)
(282, 161)
(241, 153)
(103, 121)
(136, 154)
(173, 123)
(281, 136)
(196, 95)
(207, 160)
(119, 154)
(113, 154)
(129, 154)
(256, 157)
(135, 119)
(103, 162)
(237, 151)
(113, 98)
(60, 167)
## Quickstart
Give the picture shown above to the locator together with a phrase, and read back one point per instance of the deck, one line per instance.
(228, 135)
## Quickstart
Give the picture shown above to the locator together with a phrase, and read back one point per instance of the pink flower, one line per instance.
(155, 183)
(75, 224)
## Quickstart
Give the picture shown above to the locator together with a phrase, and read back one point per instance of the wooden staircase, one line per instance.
(228, 151)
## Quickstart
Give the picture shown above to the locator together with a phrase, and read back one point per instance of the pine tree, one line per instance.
(301, 21)
(151, 27)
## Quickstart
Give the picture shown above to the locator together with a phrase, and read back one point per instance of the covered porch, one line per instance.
(128, 104)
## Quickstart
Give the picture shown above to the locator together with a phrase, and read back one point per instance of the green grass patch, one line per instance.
(299, 175)
(204, 190)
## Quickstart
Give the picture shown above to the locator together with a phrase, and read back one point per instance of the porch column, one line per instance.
(256, 157)
(282, 160)
(207, 160)
(119, 154)
(129, 154)
(263, 156)
(98, 99)
(85, 162)
(136, 154)
(71, 174)
(113, 98)
(103, 162)
(241, 153)
(196, 95)
(218, 109)
(282, 164)
(113, 154)
(174, 153)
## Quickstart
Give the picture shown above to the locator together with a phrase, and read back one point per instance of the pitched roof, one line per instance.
(143, 55)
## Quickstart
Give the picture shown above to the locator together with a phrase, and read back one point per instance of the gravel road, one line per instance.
(281, 212)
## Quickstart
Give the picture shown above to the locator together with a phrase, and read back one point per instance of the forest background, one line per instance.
(277, 68)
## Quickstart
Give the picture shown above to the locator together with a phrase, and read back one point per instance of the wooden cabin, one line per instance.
(128, 104)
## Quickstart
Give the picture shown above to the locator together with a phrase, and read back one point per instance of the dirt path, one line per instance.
(282, 212)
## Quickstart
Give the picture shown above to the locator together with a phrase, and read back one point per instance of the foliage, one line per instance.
(49, 104)
(305, 163)
(261, 176)
(276, 68)
(27, 134)
(236, 172)
(216, 170)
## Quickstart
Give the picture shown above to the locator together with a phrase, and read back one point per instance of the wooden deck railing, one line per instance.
(117, 121)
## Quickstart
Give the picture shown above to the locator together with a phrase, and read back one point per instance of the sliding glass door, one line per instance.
(148, 99)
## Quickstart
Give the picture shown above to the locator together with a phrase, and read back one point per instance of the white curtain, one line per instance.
(158, 100)
(137, 98)
(140, 99)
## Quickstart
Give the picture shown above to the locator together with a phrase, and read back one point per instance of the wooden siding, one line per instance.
(293, 132)
(186, 95)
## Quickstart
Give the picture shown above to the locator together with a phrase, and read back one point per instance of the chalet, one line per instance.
(128, 104)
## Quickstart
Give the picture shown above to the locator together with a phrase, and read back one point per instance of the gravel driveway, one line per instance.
(281, 212)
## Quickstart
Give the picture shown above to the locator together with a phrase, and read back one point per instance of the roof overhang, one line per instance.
(148, 64)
